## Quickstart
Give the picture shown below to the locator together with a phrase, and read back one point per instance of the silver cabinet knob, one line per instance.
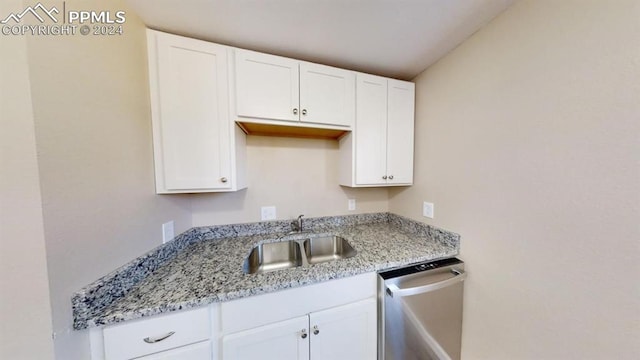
(304, 334)
(295, 111)
(384, 177)
(390, 177)
(316, 331)
(304, 111)
(224, 179)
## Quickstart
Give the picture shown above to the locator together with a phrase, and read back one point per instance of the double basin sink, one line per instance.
(294, 253)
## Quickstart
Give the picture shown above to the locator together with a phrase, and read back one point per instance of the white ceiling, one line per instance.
(394, 38)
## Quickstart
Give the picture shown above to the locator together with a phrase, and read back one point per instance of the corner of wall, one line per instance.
(25, 308)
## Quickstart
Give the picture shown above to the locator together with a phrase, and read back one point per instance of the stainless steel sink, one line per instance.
(273, 256)
(327, 248)
(288, 254)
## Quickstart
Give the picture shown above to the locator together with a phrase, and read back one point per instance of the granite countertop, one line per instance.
(205, 265)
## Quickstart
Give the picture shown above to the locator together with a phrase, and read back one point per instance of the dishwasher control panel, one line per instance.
(419, 267)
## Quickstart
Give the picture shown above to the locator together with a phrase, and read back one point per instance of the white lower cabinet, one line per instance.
(331, 320)
(345, 333)
(285, 340)
(342, 333)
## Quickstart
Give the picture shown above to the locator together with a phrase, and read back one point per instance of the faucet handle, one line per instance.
(296, 225)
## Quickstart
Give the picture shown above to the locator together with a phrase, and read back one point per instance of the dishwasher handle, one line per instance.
(458, 275)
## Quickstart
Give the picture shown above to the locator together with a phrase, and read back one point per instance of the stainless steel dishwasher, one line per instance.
(420, 308)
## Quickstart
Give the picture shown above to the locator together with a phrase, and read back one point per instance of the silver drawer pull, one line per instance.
(153, 340)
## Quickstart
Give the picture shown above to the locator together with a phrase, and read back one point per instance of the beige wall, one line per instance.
(25, 312)
(527, 141)
(298, 176)
(92, 122)
(93, 132)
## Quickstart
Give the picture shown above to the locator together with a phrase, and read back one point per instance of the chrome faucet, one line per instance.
(296, 225)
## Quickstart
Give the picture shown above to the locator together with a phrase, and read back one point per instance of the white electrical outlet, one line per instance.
(167, 232)
(352, 204)
(268, 213)
(427, 210)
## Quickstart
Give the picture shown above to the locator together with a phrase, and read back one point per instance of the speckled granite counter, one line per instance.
(204, 265)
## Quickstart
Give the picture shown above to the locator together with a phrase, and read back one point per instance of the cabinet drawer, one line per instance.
(136, 338)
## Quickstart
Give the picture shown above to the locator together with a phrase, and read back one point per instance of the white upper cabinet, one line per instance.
(400, 130)
(195, 143)
(266, 86)
(272, 88)
(379, 152)
(206, 97)
(327, 95)
(371, 133)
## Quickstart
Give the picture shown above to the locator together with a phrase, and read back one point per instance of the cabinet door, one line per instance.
(345, 333)
(266, 86)
(371, 130)
(280, 341)
(199, 351)
(400, 122)
(327, 95)
(191, 113)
